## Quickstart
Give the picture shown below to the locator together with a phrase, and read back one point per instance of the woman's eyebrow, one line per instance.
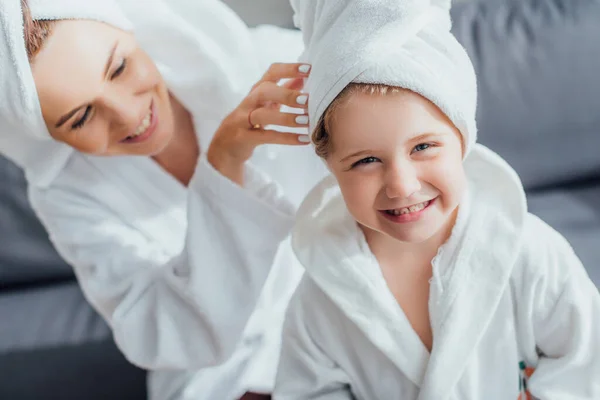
(68, 115)
(110, 59)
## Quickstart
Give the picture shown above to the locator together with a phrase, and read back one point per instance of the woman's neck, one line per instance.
(180, 156)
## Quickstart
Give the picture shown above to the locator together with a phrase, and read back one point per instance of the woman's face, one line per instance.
(100, 93)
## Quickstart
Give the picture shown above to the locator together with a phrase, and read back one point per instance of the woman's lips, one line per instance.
(151, 128)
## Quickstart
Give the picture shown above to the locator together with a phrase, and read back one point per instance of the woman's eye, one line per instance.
(366, 160)
(421, 147)
(83, 119)
(119, 70)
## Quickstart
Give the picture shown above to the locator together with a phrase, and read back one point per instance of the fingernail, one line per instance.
(304, 68)
(302, 99)
(302, 119)
(303, 139)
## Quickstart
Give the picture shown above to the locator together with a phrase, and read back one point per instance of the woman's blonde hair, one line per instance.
(35, 32)
(321, 135)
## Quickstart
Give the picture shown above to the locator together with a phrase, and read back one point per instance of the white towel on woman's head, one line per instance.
(208, 68)
(24, 137)
(403, 43)
(102, 11)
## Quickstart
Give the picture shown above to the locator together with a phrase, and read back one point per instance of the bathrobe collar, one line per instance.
(471, 272)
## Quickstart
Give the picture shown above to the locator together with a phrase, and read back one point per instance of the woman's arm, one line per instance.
(183, 312)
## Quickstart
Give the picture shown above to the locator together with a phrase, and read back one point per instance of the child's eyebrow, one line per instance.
(424, 136)
(358, 153)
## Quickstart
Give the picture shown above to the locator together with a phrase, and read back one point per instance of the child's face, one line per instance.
(398, 161)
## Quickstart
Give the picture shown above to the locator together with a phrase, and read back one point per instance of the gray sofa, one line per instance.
(537, 62)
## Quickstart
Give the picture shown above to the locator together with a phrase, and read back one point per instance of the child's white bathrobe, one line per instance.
(507, 290)
(193, 281)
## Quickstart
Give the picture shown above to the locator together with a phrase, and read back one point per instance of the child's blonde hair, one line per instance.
(321, 136)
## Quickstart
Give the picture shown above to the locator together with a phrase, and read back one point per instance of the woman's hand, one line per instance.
(243, 130)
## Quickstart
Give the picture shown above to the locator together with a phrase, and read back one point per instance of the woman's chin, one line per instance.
(152, 148)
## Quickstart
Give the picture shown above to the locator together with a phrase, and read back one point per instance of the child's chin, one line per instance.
(418, 233)
(412, 237)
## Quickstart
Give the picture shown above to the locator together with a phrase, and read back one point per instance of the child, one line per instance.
(426, 276)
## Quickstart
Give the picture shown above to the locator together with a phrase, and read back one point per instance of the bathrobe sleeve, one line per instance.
(305, 372)
(565, 322)
(185, 312)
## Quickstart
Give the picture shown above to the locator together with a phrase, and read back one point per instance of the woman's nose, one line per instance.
(126, 110)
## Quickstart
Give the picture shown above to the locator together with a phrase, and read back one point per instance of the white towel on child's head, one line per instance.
(403, 43)
(24, 137)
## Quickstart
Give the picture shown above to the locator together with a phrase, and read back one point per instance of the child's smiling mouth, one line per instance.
(407, 214)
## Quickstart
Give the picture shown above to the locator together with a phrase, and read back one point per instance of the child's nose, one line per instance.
(402, 182)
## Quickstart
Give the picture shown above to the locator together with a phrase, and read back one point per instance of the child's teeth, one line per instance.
(411, 209)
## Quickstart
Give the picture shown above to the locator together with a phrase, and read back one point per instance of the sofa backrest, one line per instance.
(26, 254)
(538, 67)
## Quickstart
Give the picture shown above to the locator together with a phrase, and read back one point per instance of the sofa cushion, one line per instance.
(51, 316)
(90, 371)
(26, 254)
(574, 212)
(53, 345)
(537, 63)
(257, 12)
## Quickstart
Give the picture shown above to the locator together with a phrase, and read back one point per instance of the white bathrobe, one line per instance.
(507, 291)
(189, 278)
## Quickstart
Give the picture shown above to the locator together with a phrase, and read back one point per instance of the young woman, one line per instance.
(137, 124)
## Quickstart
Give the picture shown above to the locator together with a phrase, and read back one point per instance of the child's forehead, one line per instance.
(404, 111)
(373, 93)
(389, 120)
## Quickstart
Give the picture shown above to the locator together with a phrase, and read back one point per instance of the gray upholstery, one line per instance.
(89, 371)
(537, 63)
(575, 212)
(275, 12)
(54, 346)
(48, 316)
(26, 255)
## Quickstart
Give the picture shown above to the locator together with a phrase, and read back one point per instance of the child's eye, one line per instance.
(366, 160)
(421, 147)
(119, 70)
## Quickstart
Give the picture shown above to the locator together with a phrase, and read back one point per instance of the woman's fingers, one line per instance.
(267, 93)
(243, 129)
(261, 117)
(294, 84)
(284, 138)
(272, 116)
(279, 71)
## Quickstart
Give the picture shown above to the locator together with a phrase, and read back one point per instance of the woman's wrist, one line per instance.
(228, 166)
